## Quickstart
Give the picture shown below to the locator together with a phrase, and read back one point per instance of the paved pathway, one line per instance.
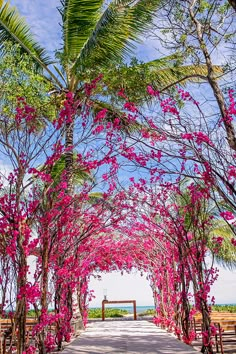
(128, 337)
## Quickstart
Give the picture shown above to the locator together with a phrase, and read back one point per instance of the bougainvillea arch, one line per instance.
(151, 224)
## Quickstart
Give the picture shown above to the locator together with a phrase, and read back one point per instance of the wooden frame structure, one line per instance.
(105, 302)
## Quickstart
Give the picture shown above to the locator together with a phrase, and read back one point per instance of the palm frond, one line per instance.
(79, 174)
(95, 197)
(14, 28)
(60, 74)
(161, 73)
(172, 60)
(225, 255)
(167, 77)
(79, 19)
(116, 32)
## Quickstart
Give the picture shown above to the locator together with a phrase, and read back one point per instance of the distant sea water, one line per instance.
(141, 309)
(228, 304)
(130, 309)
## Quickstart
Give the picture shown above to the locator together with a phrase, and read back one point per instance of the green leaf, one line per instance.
(18, 77)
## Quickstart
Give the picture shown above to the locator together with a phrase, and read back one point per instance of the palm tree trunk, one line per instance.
(69, 164)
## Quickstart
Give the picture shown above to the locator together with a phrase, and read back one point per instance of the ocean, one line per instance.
(130, 309)
(141, 309)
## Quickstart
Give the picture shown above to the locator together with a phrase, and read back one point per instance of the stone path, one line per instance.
(130, 337)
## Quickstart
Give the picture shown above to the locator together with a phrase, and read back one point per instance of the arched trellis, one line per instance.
(159, 258)
(173, 257)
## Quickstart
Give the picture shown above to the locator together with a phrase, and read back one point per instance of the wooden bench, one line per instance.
(217, 314)
(197, 327)
(5, 338)
(225, 324)
(226, 334)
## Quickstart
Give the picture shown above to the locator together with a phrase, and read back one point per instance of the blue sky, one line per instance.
(44, 19)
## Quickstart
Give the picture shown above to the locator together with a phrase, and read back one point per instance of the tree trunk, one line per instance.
(154, 291)
(231, 136)
(21, 310)
(44, 275)
(233, 4)
(206, 322)
(185, 311)
(79, 316)
(44, 287)
(202, 306)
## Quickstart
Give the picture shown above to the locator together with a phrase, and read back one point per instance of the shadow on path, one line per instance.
(128, 337)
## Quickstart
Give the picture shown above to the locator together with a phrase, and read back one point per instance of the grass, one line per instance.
(218, 308)
(149, 312)
(30, 313)
(93, 313)
(116, 312)
(224, 308)
(109, 312)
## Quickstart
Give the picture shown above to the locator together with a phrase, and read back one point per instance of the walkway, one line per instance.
(130, 337)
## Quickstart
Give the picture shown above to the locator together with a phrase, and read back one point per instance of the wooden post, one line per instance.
(103, 309)
(135, 311)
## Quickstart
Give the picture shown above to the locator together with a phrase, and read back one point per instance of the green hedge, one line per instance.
(149, 312)
(224, 308)
(109, 312)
